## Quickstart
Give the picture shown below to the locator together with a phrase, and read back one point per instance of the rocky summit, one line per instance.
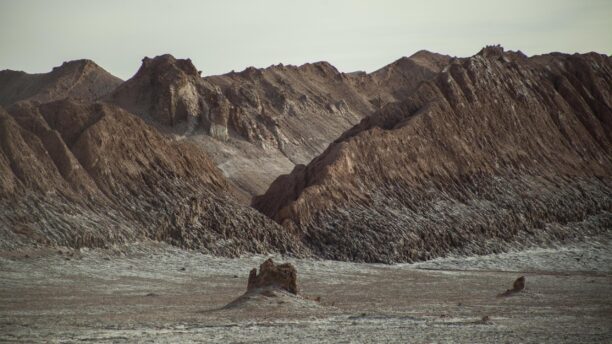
(498, 150)
(281, 276)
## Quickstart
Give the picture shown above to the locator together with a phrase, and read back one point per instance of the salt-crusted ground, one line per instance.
(161, 294)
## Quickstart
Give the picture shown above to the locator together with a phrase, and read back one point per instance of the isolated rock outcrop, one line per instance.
(273, 290)
(498, 150)
(517, 286)
(283, 276)
(80, 79)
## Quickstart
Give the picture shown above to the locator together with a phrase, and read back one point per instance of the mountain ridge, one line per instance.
(428, 156)
(79, 79)
(268, 119)
(385, 179)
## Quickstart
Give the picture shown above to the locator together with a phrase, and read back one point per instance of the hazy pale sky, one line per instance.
(224, 35)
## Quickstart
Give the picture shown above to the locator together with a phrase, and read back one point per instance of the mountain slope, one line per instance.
(497, 150)
(79, 79)
(91, 174)
(395, 81)
(258, 123)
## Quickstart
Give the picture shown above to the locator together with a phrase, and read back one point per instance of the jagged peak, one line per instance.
(497, 51)
(251, 72)
(323, 66)
(165, 63)
(80, 64)
(491, 51)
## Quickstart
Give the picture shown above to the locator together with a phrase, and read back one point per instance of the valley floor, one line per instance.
(162, 294)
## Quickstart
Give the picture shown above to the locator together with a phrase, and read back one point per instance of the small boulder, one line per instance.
(484, 320)
(282, 276)
(519, 285)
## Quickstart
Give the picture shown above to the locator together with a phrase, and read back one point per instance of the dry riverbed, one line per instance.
(162, 294)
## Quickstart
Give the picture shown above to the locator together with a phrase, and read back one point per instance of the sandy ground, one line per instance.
(164, 294)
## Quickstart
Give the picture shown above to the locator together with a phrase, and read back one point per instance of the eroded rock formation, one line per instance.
(463, 156)
(91, 174)
(170, 91)
(271, 290)
(497, 150)
(258, 123)
(282, 276)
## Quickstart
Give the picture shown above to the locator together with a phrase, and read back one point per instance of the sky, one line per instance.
(224, 35)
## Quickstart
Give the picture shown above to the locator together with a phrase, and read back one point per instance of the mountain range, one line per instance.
(428, 156)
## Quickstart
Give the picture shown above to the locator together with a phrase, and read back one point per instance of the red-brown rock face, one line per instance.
(282, 276)
(496, 150)
(79, 174)
(256, 124)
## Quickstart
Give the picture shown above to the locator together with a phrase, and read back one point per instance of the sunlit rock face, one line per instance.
(498, 150)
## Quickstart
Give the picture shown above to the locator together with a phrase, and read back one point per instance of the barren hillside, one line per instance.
(91, 174)
(497, 150)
